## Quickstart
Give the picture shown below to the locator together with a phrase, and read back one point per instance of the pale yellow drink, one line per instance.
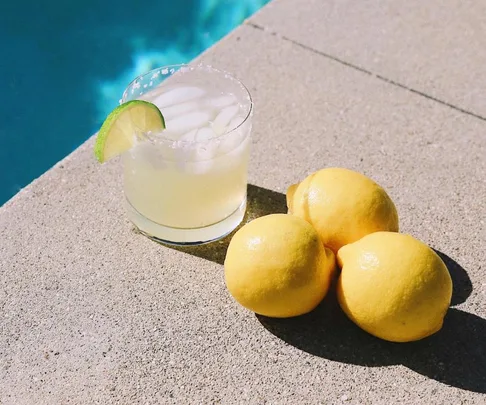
(187, 184)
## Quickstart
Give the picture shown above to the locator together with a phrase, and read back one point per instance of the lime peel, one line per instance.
(120, 129)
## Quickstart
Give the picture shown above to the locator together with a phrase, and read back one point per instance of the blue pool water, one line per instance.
(64, 65)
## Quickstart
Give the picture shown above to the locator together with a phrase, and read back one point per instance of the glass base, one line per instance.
(184, 237)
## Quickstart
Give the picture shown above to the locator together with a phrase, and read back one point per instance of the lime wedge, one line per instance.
(122, 127)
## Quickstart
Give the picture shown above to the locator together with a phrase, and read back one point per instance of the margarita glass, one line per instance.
(187, 184)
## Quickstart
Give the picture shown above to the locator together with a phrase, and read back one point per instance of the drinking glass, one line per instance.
(187, 184)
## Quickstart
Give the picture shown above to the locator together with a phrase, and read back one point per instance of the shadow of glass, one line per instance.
(260, 202)
(462, 286)
(456, 355)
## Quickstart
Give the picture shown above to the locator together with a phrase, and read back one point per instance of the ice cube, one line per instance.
(165, 134)
(221, 101)
(187, 122)
(183, 155)
(204, 134)
(231, 140)
(223, 119)
(148, 154)
(201, 166)
(184, 151)
(178, 109)
(195, 152)
(189, 136)
(206, 150)
(235, 122)
(177, 96)
(236, 156)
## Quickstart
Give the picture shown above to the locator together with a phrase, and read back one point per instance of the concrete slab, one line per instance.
(434, 47)
(95, 313)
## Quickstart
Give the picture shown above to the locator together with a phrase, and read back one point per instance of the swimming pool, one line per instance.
(64, 66)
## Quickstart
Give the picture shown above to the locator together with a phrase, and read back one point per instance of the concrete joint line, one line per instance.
(378, 76)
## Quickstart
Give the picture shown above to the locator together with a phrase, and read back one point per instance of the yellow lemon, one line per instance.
(276, 266)
(342, 205)
(393, 286)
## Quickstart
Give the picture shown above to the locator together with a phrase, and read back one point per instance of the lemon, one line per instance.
(276, 266)
(122, 126)
(342, 205)
(393, 286)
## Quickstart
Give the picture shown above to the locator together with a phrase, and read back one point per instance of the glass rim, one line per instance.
(199, 66)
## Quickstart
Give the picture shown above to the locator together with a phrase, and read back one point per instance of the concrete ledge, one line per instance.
(95, 313)
(434, 47)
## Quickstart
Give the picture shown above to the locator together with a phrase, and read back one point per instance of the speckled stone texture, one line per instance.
(434, 47)
(94, 313)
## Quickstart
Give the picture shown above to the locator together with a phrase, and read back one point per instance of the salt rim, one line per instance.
(184, 68)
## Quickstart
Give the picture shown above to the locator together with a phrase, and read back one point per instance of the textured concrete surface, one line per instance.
(435, 47)
(92, 312)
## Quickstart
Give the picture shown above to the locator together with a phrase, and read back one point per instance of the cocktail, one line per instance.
(186, 183)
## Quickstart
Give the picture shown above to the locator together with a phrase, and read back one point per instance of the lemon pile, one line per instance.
(391, 285)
